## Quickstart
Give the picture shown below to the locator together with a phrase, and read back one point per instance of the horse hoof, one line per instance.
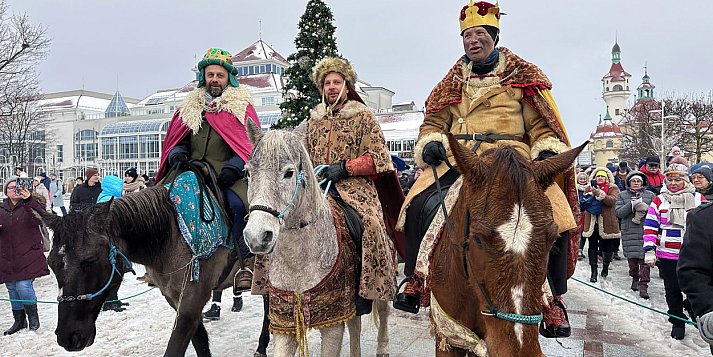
(258, 354)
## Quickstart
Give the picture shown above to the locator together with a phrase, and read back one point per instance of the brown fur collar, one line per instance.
(350, 109)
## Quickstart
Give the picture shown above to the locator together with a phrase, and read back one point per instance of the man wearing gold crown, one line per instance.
(489, 98)
(210, 127)
(343, 133)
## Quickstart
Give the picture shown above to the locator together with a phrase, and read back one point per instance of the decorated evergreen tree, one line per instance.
(314, 41)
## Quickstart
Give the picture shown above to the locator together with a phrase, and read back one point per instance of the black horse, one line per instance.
(87, 259)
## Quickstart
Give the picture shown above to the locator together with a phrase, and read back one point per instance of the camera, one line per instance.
(23, 182)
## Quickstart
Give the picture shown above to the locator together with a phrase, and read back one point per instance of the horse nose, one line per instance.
(76, 340)
(267, 238)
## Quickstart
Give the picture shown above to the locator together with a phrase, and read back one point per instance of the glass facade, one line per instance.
(135, 143)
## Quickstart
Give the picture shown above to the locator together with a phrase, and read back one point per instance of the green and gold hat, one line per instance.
(221, 58)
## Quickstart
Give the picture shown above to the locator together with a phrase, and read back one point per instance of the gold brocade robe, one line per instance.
(350, 134)
(488, 106)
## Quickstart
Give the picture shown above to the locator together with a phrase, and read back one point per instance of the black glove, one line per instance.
(227, 178)
(545, 154)
(336, 171)
(434, 153)
(181, 158)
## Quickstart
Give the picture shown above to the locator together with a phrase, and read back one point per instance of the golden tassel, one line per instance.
(300, 328)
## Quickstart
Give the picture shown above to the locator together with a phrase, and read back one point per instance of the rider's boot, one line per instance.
(243, 280)
(237, 303)
(409, 299)
(213, 314)
(555, 322)
(19, 324)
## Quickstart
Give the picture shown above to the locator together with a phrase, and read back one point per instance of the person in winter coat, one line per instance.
(620, 175)
(133, 182)
(664, 228)
(584, 202)
(602, 229)
(702, 178)
(57, 193)
(631, 206)
(45, 180)
(42, 191)
(653, 174)
(21, 255)
(86, 194)
(695, 271)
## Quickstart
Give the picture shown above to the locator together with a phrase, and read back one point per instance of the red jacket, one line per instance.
(21, 254)
(655, 179)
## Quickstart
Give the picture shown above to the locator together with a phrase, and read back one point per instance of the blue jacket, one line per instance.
(112, 186)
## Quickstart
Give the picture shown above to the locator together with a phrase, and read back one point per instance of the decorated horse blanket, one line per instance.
(329, 302)
(204, 226)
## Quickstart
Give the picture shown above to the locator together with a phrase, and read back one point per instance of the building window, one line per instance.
(85, 151)
(607, 89)
(128, 147)
(60, 153)
(610, 144)
(149, 146)
(86, 134)
(268, 100)
(616, 111)
(409, 144)
(394, 145)
(109, 148)
(262, 68)
(618, 87)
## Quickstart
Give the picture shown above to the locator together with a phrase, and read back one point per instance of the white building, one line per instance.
(615, 86)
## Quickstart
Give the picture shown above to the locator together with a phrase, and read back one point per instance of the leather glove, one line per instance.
(336, 171)
(650, 257)
(705, 327)
(434, 153)
(179, 157)
(545, 154)
(227, 178)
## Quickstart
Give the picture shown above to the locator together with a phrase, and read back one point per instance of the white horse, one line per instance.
(291, 221)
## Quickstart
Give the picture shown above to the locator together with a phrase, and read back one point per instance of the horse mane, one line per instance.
(510, 167)
(144, 219)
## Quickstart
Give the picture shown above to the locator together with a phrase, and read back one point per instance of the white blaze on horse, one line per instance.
(291, 221)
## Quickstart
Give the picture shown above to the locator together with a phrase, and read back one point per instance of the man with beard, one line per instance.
(343, 133)
(209, 127)
(490, 98)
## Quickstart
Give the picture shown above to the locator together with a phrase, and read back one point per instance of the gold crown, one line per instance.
(479, 14)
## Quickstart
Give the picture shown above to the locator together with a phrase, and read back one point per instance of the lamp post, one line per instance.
(663, 126)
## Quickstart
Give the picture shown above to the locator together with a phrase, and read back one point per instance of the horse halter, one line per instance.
(113, 252)
(281, 214)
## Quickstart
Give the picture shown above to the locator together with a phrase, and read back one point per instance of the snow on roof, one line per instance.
(400, 122)
(79, 99)
(606, 129)
(259, 51)
(263, 83)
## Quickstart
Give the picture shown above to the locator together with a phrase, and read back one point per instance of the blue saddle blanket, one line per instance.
(204, 230)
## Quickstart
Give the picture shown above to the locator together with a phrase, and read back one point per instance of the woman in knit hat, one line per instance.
(133, 182)
(701, 178)
(602, 226)
(664, 228)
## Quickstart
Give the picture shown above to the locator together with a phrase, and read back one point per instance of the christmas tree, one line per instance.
(315, 40)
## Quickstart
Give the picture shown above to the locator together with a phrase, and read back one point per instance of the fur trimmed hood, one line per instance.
(234, 100)
(350, 109)
(610, 176)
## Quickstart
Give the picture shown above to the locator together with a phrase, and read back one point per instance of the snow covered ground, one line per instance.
(144, 328)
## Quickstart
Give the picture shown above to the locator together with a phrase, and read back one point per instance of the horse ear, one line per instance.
(546, 170)
(50, 218)
(254, 133)
(468, 163)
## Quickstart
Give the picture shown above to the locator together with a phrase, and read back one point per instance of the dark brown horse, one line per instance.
(488, 269)
(143, 227)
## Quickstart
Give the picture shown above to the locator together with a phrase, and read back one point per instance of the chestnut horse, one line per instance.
(489, 265)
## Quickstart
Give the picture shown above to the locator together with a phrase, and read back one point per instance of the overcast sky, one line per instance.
(406, 46)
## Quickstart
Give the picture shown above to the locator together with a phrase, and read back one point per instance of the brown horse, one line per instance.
(489, 266)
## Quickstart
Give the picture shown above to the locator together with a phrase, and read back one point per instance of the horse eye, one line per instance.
(289, 174)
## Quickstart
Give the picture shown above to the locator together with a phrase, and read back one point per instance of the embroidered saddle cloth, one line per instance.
(203, 225)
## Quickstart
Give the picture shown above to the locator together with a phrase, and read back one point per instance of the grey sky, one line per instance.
(406, 46)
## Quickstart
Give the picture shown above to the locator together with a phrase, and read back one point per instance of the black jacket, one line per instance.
(695, 262)
(84, 195)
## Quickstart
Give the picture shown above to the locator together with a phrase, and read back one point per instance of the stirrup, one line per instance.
(407, 302)
(242, 281)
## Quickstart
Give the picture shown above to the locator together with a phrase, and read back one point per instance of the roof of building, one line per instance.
(617, 72)
(117, 107)
(259, 51)
(80, 99)
(606, 129)
(616, 47)
(400, 121)
(135, 126)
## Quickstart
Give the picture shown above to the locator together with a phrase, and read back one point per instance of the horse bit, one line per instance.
(113, 252)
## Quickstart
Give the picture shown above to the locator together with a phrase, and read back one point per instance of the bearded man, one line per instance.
(209, 127)
(490, 98)
(343, 133)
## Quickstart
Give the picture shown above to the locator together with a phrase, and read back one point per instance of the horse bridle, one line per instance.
(113, 252)
(492, 308)
(301, 182)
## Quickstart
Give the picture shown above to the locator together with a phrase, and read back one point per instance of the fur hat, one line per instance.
(332, 64)
(89, 172)
(677, 170)
(583, 174)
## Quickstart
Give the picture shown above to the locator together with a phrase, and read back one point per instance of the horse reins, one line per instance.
(113, 252)
(301, 182)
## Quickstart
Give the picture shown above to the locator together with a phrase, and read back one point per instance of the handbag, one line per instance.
(46, 244)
